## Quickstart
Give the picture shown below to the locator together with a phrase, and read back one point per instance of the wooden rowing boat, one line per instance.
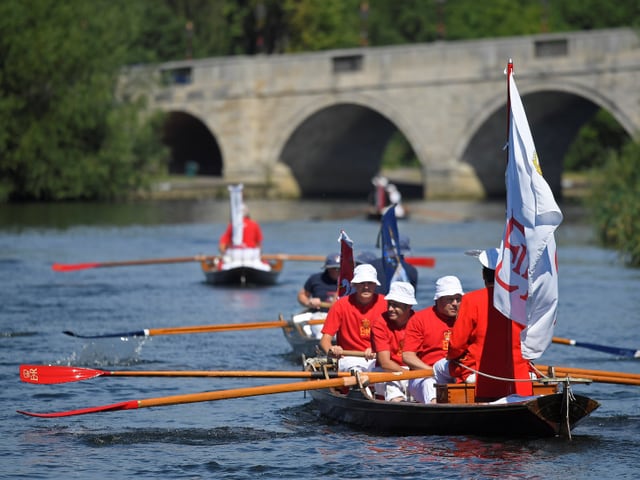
(241, 275)
(550, 413)
(537, 417)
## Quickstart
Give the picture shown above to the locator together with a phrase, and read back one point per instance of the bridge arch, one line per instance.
(193, 146)
(338, 141)
(555, 111)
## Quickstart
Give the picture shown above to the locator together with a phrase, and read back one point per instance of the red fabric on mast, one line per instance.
(346, 264)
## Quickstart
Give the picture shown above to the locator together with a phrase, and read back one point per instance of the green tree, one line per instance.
(321, 24)
(595, 142)
(615, 205)
(64, 136)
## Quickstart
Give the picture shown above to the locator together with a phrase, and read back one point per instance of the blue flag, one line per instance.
(390, 241)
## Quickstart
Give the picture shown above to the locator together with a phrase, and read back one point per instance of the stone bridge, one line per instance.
(317, 124)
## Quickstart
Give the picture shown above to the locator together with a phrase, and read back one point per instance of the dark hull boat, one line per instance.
(554, 414)
(242, 275)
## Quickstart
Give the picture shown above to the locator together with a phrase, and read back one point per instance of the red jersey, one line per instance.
(351, 322)
(386, 335)
(251, 234)
(489, 342)
(428, 336)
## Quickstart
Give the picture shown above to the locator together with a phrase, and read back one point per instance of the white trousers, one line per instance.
(423, 390)
(391, 390)
(442, 375)
(346, 364)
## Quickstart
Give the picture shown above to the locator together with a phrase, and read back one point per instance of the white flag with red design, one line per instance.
(526, 277)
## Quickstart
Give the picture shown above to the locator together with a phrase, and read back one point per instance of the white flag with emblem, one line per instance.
(526, 278)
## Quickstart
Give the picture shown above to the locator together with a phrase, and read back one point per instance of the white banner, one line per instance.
(526, 281)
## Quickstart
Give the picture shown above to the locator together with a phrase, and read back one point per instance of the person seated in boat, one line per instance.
(251, 233)
(249, 251)
(395, 198)
(379, 197)
(387, 339)
(427, 336)
(404, 248)
(350, 319)
(321, 289)
(487, 341)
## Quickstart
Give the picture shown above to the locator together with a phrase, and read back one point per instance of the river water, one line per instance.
(273, 436)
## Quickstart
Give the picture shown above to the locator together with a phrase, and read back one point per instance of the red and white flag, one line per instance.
(346, 265)
(526, 277)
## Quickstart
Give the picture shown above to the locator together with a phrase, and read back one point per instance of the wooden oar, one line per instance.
(68, 267)
(427, 262)
(601, 376)
(619, 351)
(196, 329)
(50, 374)
(373, 377)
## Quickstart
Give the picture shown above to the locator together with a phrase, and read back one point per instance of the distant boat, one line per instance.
(248, 274)
(375, 213)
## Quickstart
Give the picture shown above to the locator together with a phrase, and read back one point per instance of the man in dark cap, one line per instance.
(320, 290)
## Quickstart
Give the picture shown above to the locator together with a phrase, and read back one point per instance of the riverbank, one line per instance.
(575, 186)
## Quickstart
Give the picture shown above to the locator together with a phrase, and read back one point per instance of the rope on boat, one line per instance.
(493, 377)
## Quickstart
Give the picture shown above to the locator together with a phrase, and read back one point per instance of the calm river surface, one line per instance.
(274, 436)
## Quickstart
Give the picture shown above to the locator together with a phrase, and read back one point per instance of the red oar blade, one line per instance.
(49, 374)
(70, 267)
(428, 262)
(129, 405)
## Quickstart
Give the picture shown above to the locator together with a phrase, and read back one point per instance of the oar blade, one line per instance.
(428, 262)
(618, 351)
(51, 374)
(137, 333)
(128, 405)
(70, 267)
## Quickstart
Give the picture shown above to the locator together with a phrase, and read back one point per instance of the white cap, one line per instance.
(365, 273)
(449, 285)
(402, 292)
(489, 258)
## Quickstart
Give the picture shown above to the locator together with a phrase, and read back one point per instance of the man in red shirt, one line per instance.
(350, 319)
(487, 341)
(387, 338)
(428, 332)
(251, 234)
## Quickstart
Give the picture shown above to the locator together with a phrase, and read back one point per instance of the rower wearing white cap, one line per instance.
(387, 338)
(350, 319)
(427, 337)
